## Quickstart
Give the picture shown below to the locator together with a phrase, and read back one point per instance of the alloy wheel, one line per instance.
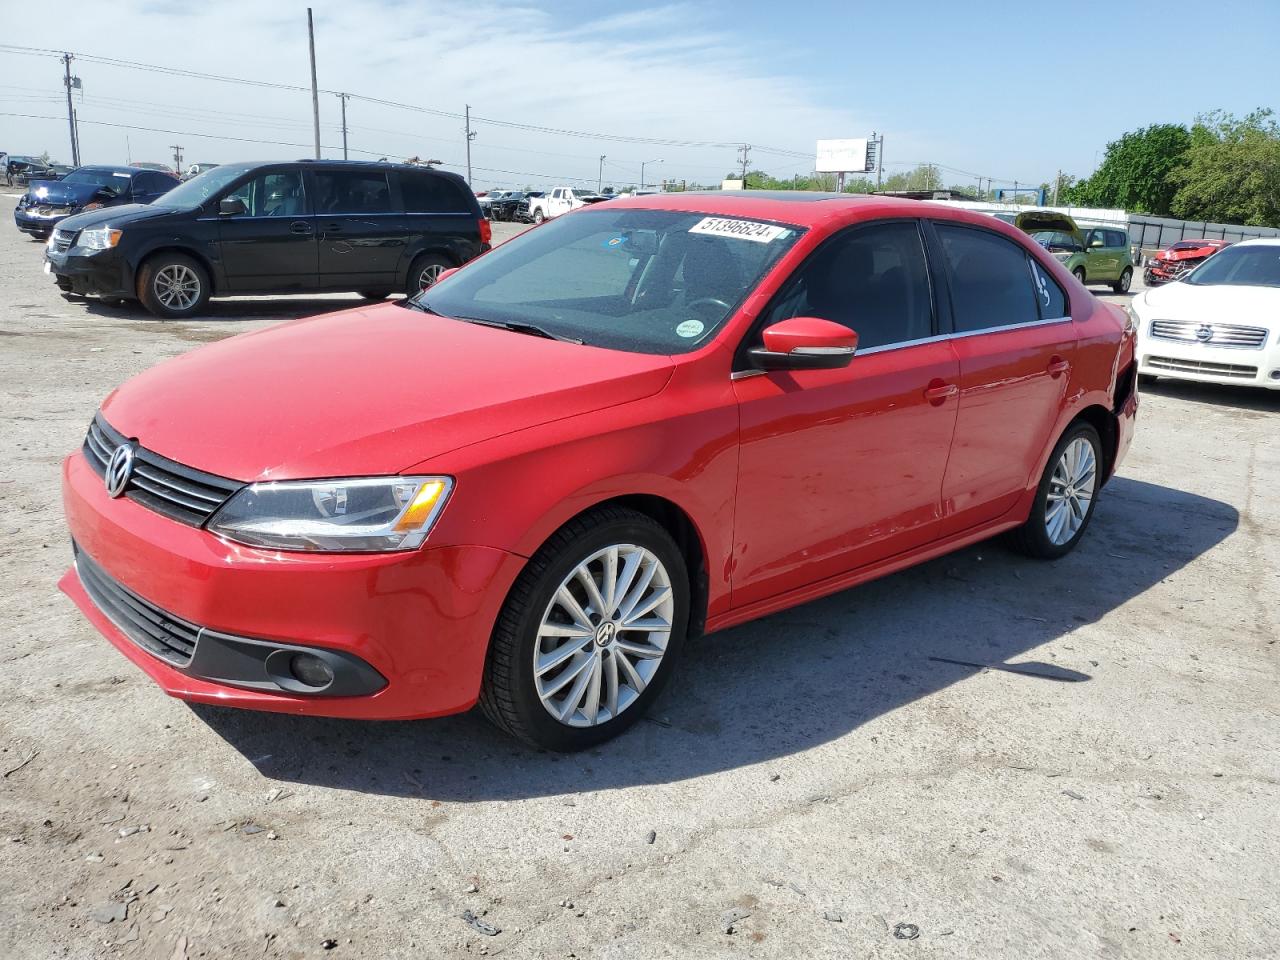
(177, 287)
(430, 275)
(602, 637)
(1071, 490)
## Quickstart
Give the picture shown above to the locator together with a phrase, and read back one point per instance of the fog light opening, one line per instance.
(310, 670)
(1275, 374)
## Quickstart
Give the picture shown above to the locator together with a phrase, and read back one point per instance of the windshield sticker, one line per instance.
(690, 328)
(615, 242)
(741, 229)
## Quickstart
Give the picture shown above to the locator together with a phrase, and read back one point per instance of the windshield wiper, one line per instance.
(516, 326)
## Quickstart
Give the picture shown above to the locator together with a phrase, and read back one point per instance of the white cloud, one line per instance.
(666, 72)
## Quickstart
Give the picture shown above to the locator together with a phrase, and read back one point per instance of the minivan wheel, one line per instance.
(590, 632)
(1122, 285)
(375, 294)
(1079, 273)
(172, 286)
(426, 271)
(1066, 497)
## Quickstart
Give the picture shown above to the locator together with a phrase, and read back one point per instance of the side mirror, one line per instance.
(231, 208)
(805, 343)
(1095, 242)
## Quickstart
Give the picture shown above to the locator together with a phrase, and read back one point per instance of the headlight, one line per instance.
(99, 238)
(373, 514)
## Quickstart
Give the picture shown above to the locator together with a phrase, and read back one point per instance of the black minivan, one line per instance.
(305, 226)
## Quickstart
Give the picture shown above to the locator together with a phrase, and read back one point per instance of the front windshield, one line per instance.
(99, 177)
(1053, 240)
(646, 281)
(1249, 266)
(200, 188)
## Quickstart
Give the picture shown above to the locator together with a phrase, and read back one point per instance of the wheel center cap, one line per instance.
(605, 634)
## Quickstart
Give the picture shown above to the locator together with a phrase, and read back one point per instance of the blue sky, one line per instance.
(1001, 89)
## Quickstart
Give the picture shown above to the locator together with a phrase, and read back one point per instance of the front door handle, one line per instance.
(300, 226)
(1058, 366)
(938, 391)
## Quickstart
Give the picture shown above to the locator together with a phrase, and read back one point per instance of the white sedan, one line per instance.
(1218, 324)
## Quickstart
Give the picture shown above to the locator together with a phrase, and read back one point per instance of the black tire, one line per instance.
(375, 294)
(1126, 279)
(1079, 274)
(152, 285)
(1147, 378)
(508, 693)
(424, 265)
(539, 216)
(1032, 538)
(111, 301)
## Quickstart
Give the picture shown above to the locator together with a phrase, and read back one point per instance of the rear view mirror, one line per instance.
(231, 208)
(805, 343)
(640, 243)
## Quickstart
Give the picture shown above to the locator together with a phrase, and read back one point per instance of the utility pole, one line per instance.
(744, 152)
(315, 90)
(1057, 182)
(71, 117)
(600, 176)
(343, 97)
(177, 156)
(471, 135)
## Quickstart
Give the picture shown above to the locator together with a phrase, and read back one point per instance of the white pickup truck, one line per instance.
(561, 200)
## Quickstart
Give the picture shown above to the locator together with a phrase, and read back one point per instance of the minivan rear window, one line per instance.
(428, 193)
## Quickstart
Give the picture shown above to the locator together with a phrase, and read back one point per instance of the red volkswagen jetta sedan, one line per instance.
(646, 420)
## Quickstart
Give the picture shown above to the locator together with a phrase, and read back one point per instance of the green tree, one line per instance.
(1232, 170)
(1134, 174)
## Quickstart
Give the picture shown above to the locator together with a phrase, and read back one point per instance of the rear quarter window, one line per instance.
(427, 193)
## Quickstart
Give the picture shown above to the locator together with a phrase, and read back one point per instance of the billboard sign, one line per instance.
(842, 156)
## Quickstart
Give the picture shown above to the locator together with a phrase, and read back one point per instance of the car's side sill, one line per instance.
(852, 578)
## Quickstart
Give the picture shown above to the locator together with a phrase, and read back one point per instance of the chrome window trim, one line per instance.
(885, 348)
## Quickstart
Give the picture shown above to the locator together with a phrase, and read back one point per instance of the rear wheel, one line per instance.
(173, 286)
(1079, 272)
(1126, 278)
(1066, 497)
(590, 632)
(425, 272)
(375, 294)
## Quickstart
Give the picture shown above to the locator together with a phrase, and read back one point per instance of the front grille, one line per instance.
(157, 483)
(1220, 334)
(1233, 370)
(157, 631)
(62, 240)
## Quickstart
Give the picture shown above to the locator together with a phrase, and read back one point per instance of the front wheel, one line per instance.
(1065, 498)
(590, 632)
(173, 286)
(1122, 285)
(1079, 273)
(538, 216)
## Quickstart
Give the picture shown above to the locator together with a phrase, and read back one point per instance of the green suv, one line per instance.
(1094, 255)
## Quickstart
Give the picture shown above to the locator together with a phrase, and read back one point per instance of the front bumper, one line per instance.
(105, 273)
(30, 221)
(420, 621)
(1202, 363)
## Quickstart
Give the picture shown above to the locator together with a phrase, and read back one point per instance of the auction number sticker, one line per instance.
(741, 229)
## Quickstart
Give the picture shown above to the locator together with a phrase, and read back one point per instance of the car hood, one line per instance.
(60, 192)
(1194, 253)
(120, 216)
(365, 392)
(1033, 221)
(1216, 303)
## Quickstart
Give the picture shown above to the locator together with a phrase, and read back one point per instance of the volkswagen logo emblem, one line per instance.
(608, 630)
(1204, 333)
(119, 469)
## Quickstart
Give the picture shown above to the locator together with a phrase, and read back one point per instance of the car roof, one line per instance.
(1259, 242)
(802, 208)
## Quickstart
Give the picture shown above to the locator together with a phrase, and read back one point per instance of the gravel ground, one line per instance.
(814, 784)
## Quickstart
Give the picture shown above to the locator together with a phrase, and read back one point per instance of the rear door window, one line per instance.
(428, 193)
(990, 284)
(351, 191)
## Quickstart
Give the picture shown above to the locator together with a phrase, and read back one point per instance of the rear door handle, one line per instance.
(333, 227)
(300, 226)
(938, 391)
(1058, 366)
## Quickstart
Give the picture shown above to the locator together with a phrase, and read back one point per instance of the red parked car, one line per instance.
(1181, 258)
(531, 484)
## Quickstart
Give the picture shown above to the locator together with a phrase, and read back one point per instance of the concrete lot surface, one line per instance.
(829, 782)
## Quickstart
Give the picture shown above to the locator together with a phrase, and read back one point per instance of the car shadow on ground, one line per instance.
(272, 308)
(1215, 394)
(792, 681)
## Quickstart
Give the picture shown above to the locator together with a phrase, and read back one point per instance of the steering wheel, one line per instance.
(708, 301)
